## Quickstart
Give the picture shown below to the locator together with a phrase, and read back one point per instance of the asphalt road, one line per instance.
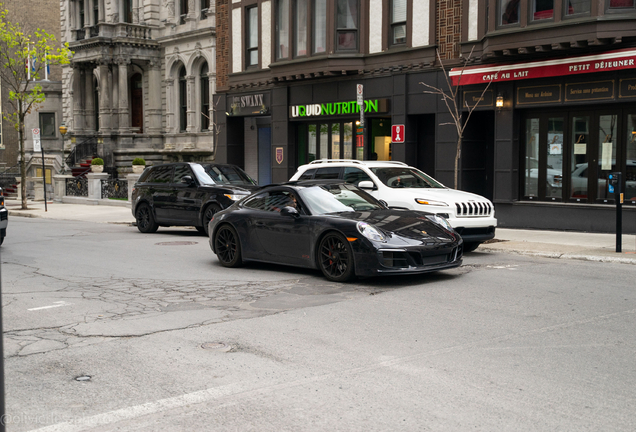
(173, 341)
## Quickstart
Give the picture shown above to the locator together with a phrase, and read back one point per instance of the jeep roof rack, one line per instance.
(320, 161)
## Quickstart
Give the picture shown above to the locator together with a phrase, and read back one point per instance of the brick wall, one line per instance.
(223, 11)
(449, 18)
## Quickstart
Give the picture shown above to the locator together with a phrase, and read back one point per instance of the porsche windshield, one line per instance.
(337, 198)
(405, 177)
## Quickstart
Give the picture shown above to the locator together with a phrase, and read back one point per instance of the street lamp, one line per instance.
(63, 129)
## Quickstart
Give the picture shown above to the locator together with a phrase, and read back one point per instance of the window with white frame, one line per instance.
(346, 25)
(398, 22)
(282, 29)
(319, 27)
(251, 33)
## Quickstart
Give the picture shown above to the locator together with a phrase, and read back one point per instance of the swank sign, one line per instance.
(605, 62)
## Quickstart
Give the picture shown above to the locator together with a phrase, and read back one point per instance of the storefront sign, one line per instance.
(279, 155)
(627, 88)
(338, 108)
(249, 104)
(596, 90)
(539, 94)
(604, 62)
(473, 98)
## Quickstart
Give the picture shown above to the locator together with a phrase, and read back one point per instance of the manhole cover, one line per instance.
(219, 346)
(176, 243)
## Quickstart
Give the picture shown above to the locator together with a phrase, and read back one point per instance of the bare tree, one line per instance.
(452, 100)
(23, 59)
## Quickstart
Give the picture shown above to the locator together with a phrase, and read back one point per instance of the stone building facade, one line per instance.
(142, 79)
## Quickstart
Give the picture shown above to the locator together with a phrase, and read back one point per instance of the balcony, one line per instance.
(109, 30)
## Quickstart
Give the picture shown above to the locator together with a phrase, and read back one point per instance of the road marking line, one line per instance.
(58, 304)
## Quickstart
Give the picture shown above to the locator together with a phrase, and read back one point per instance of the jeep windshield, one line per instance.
(405, 177)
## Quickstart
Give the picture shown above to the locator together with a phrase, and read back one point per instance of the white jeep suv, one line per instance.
(405, 187)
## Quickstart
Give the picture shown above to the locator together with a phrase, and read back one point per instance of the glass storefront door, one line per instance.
(334, 140)
(568, 156)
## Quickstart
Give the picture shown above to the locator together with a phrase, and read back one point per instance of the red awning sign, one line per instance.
(604, 62)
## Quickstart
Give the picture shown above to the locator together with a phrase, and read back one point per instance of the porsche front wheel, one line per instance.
(335, 258)
(227, 246)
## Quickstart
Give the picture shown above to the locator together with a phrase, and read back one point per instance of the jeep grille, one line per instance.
(473, 209)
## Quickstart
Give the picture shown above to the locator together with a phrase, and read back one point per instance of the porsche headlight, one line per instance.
(370, 232)
(440, 221)
(235, 197)
(425, 201)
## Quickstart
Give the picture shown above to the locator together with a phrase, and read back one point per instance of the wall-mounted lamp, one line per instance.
(500, 101)
(63, 129)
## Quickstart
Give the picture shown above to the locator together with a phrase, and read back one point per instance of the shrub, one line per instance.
(97, 161)
(138, 161)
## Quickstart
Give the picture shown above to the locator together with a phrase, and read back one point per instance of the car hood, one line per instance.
(446, 195)
(406, 224)
(233, 189)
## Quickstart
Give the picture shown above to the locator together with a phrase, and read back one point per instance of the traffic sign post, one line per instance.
(37, 146)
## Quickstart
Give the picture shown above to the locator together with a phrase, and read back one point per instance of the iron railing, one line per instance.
(114, 189)
(82, 151)
(77, 186)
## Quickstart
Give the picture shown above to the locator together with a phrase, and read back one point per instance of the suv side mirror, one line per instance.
(187, 180)
(289, 211)
(367, 185)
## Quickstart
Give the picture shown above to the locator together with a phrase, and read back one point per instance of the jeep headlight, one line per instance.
(425, 201)
(370, 232)
(235, 197)
(440, 221)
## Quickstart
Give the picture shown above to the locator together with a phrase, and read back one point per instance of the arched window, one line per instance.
(183, 100)
(205, 98)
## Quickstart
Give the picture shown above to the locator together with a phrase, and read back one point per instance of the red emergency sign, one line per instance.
(397, 133)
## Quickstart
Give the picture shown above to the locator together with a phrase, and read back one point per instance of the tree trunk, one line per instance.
(457, 156)
(23, 189)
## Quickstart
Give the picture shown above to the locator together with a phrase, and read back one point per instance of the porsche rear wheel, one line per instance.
(335, 258)
(145, 220)
(227, 246)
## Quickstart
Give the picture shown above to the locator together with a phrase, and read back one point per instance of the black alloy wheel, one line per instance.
(145, 220)
(208, 213)
(335, 258)
(227, 246)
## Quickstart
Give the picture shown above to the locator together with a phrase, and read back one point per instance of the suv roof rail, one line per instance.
(317, 161)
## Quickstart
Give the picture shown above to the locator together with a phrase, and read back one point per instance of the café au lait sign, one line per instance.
(603, 62)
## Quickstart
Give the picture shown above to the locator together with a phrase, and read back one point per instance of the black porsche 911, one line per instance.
(334, 227)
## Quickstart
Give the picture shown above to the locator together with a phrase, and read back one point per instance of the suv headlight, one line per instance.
(235, 197)
(370, 232)
(425, 201)
(440, 221)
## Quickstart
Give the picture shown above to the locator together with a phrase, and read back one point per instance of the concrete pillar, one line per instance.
(104, 97)
(154, 96)
(95, 184)
(122, 10)
(59, 185)
(88, 13)
(78, 115)
(38, 188)
(102, 10)
(135, 7)
(89, 100)
(114, 80)
(124, 118)
(212, 87)
(132, 179)
(191, 111)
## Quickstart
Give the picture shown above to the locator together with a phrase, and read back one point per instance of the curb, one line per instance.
(557, 255)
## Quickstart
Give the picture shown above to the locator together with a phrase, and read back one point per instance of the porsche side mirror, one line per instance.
(290, 211)
(187, 180)
(367, 185)
(385, 204)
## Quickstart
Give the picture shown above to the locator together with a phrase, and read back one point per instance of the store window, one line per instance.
(509, 12)
(282, 29)
(326, 141)
(398, 22)
(251, 45)
(300, 30)
(320, 27)
(577, 7)
(47, 125)
(542, 9)
(346, 25)
(569, 156)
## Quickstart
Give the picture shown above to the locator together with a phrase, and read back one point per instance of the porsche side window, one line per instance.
(307, 175)
(278, 200)
(355, 175)
(257, 202)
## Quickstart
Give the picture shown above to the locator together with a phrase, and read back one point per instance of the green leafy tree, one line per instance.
(18, 48)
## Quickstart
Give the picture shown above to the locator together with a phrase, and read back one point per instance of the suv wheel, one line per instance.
(145, 220)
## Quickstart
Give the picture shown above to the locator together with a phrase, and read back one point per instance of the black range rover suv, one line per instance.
(186, 194)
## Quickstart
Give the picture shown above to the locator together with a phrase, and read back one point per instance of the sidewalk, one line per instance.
(551, 244)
